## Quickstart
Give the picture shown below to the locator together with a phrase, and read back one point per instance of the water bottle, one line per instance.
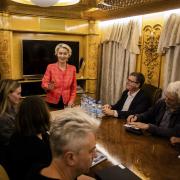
(82, 103)
(85, 103)
(88, 105)
(99, 112)
(93, 109)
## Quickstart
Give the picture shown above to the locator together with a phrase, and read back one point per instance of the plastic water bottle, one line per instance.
(88, 105)
(83, 99)
(85, 103)
(99, 110)
(93, 109)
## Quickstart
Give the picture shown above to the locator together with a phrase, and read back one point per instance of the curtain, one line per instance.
(169, 43)
(119, 47)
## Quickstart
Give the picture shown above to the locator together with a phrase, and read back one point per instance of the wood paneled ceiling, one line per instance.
(92, 9)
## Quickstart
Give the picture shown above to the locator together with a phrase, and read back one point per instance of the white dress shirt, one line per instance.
(127, 103)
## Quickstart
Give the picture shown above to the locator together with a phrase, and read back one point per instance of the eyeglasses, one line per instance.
(129, 80)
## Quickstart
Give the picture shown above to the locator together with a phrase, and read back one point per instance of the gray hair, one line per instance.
(69, 129)
(174, 88)
(62, 45)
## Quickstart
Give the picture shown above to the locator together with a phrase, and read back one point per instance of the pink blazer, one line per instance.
(65, 83)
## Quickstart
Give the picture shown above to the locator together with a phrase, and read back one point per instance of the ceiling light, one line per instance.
(47, 3)
(43, 3)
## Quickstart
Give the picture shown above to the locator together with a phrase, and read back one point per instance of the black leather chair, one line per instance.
(153, 92)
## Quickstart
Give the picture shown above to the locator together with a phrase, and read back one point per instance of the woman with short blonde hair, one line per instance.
(59, 80)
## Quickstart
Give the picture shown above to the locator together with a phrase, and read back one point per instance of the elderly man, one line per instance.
(163, 118)
(133, 100)
(73, 145)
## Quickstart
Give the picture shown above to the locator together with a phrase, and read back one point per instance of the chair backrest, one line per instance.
(3, 173)
(153, 92)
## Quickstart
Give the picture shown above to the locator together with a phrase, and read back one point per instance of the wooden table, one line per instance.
(147, 156)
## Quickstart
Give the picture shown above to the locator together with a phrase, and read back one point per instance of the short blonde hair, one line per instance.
(62, 45)
(174, 88)
(69, 130)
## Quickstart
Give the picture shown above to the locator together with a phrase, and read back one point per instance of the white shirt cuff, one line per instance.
(115, 113)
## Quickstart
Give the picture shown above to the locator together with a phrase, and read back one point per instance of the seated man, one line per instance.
(164, 117)
(73, 145)
(133, 99)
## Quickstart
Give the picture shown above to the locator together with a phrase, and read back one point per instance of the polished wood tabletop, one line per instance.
(149, 157)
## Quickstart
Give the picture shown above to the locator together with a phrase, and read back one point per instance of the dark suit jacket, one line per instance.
(140, 104)
(154, 116)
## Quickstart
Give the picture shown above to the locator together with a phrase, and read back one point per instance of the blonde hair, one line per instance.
(7, 86)
(68, 131)
(62, 45)
(174, 88)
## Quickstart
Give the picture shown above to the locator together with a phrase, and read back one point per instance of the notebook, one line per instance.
(99, 158)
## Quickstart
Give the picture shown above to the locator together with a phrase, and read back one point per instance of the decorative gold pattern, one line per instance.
(117, 4)
(151, 61)
(5, 64)
(93, 42)
(92, 9)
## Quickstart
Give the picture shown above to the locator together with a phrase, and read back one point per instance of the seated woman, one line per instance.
(29, 145)
(10, 95)
(73, 145)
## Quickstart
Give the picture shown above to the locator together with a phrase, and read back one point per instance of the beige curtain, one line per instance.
(118, 58)
(169, 44)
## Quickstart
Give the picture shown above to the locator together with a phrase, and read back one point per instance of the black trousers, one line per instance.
(58, 106)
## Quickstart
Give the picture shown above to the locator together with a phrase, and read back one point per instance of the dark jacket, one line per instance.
(7, 126)
(140, 104)
(155, 115)
(26, 152)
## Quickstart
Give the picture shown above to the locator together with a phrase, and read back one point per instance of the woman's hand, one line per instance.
(71, 104)
(51, 85)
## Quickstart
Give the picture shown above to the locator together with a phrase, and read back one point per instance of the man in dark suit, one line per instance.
(133, 99)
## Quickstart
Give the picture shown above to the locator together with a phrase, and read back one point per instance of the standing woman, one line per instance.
(59, 80)
(10, 95)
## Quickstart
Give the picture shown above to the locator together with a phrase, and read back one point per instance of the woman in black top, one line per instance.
(29, 145)
(10, 94)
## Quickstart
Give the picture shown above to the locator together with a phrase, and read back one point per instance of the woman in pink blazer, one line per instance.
(59, 80)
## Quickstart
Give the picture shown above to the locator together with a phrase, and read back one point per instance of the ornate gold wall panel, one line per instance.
(149, 61)
(5, 56)
(91, 68)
